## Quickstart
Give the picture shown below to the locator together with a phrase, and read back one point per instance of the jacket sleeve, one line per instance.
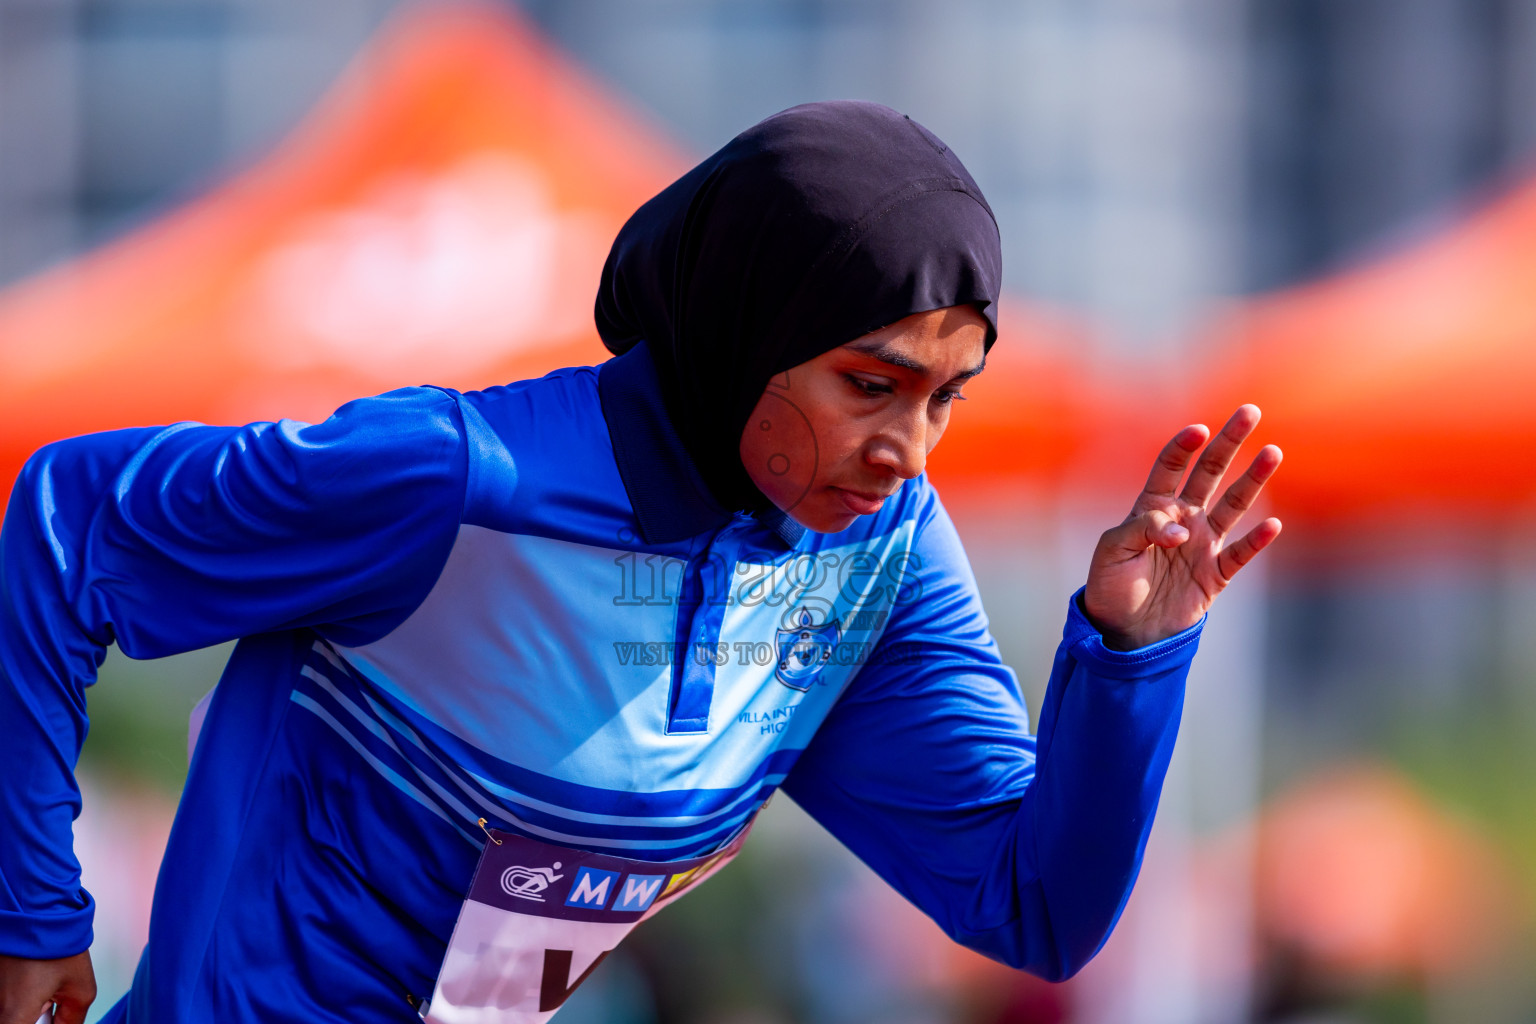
(1022, 847)
(167, 539)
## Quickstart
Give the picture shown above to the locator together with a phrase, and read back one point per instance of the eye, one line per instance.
(946, 397)
(869, 389)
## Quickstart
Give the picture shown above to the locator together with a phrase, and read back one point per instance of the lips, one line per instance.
(860, 502)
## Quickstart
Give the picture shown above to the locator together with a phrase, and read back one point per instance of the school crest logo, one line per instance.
(804, 650)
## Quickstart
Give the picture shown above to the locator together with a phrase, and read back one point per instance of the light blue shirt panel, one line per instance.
(748, 696)
(512, 653)
(515, 652)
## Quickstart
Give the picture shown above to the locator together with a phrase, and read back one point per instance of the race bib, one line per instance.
(540, 918)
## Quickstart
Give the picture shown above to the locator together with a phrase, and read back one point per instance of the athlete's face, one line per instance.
(831, 438)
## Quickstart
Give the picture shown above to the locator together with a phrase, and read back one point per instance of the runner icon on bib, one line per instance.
(529, 883)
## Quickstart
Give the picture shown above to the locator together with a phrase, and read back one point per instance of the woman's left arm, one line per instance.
(1022, 847)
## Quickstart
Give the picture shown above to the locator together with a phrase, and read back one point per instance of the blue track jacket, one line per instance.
(520, 604)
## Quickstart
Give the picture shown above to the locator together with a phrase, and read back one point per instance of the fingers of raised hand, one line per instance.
(1171, 462)
(1234, 556)
(1212, 465)
(1239, 498)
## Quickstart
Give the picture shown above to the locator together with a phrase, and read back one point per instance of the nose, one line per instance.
(901, 445)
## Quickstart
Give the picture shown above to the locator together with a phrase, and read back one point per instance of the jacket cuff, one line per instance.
(47, 936)
(1087, 645)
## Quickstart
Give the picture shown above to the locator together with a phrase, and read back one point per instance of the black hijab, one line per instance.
(809, 229)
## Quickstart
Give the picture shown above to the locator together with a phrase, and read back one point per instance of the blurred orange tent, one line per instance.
(443, 216)
(1039, 417)
(1405, 386)
(1359, 874)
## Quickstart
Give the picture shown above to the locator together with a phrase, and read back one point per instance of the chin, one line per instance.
(825, 520)
(833, 527)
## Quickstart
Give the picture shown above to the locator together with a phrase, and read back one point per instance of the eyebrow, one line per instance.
(890, 357)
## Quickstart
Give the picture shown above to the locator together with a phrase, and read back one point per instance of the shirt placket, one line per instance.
(703, 597)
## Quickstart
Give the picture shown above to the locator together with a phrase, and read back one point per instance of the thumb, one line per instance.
(76, 991)
(71, 1005)
(1153, 527)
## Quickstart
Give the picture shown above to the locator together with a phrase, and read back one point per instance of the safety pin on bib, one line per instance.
(481, 823)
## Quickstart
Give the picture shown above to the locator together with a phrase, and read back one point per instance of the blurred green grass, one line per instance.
(138, 712)
(1479, 759)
